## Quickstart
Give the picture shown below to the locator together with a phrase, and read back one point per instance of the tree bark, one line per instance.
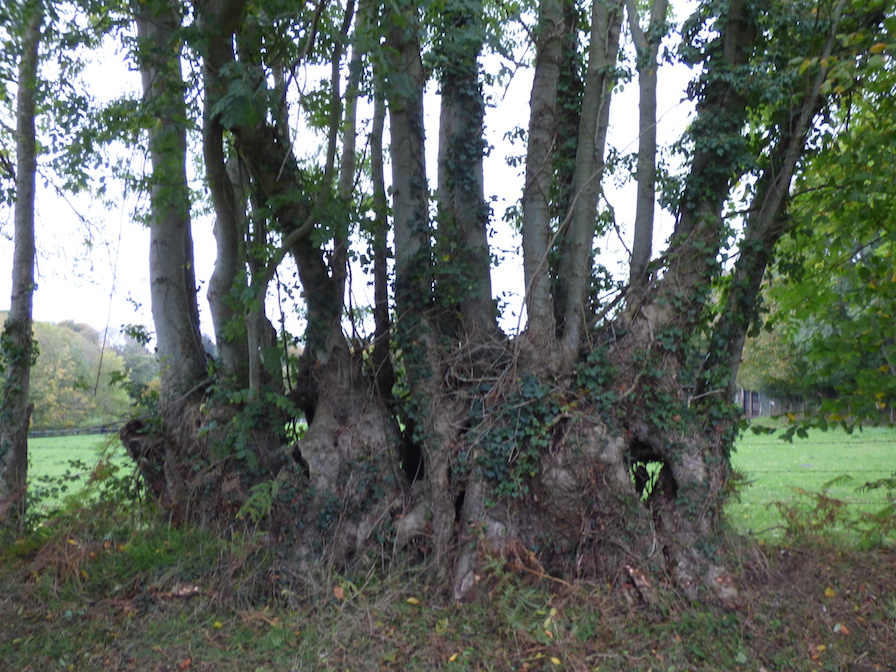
(536, 225)
(172, 282)
(647, 47)
(17, 348)
(404, 80)
(578, 231)
(462, 211)
(231, 337)
(384, 372)
(718, 160)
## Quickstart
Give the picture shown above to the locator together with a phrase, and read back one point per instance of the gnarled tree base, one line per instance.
(544, 473)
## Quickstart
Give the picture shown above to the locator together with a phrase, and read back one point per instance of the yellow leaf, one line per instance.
(877, 48)
(452, 658)
(413, 600)
(549, 634)
(830, 592)
(885, 368)
(72, 542)
(555, 660)
(791, 417)
(821, 647)
(219, 625)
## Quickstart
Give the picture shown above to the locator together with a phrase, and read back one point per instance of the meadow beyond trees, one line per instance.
(593, 434)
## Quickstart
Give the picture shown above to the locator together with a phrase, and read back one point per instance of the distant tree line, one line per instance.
(77, 381)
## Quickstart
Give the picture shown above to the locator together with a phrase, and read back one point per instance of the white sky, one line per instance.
(107, 283)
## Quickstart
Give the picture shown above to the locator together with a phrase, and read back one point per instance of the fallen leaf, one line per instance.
(830, 592)
(452, 658)
(186, 665)
(413, 600)
(339, 593)
(555, 660)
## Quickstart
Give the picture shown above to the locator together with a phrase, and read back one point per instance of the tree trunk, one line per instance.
(647, 46)
(404, 81)
(463, 214)
(383, 371)
(171, 269)
(224, 186)
(536, 225)
(539, 450)
(17, 349)
(719, 158)
(578, 231)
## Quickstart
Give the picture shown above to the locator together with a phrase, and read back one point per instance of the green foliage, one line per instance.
(594, 380)
(511, 437)
(834, 281)
(260, 501)
(265, 411)
(774, 365)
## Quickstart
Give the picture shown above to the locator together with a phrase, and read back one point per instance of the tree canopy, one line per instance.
(832, 286)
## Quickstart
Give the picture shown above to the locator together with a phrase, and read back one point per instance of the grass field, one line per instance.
(778, 471)
(61, 465)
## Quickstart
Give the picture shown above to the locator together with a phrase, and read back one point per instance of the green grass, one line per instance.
(62, 465)
(778, 471)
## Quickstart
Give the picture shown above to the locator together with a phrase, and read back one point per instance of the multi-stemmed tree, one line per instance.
(597, 435)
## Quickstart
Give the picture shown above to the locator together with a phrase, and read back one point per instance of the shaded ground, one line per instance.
(98, 597)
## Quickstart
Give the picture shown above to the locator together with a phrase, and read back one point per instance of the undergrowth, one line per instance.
(106, 583)
(818, 516)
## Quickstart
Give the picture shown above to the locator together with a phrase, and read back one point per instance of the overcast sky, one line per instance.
(98, 273)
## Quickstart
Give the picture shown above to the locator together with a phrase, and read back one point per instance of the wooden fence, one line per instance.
(111, 428)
